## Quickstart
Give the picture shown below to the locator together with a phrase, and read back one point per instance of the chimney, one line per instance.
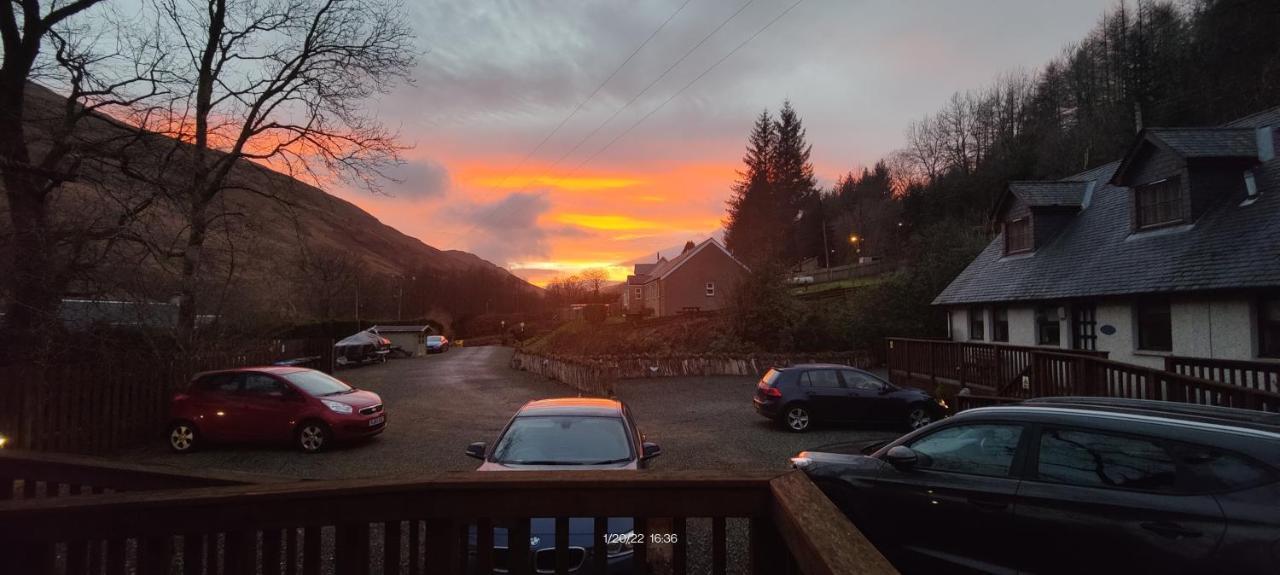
(1266, 144)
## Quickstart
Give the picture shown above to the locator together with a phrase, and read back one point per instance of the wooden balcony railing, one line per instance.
(1037, 372)
(1251, 374)
(29, 475)
(442, 523)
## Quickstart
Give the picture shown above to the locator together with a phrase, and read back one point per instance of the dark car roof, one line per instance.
(572, 406)
(1246, 418)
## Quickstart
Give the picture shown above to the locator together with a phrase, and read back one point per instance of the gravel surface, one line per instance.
(438, 404)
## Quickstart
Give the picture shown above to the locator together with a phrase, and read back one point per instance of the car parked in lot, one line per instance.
(1070, 485)
(568, 434)
(437, 344)
(274, 405)
(801, 395)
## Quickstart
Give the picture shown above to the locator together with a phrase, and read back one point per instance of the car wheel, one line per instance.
(313, 437)
(183, 437)
(797, 418)
(918, 417)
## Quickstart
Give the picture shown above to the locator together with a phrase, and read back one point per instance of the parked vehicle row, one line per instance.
(1070, 485)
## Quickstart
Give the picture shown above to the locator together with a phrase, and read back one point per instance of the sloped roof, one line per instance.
(1209, 142)
(400, 328)
(1231, 246)
(665, 267)
(1049, 193)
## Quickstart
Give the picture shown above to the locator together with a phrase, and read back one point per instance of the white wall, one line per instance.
(1222, 327)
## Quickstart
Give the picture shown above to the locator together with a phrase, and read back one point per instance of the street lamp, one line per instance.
(853, 239)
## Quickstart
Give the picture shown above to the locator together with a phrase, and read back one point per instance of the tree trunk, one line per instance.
(191, 256)
(33, 285)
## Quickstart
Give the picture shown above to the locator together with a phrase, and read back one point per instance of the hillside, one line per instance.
(277, 228)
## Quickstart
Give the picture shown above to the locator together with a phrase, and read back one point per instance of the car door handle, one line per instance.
(1169, 529)
(990, 504)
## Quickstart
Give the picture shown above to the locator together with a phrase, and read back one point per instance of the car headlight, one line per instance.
(942, 403)
(620, 546)
(337, 407)
(800, 462)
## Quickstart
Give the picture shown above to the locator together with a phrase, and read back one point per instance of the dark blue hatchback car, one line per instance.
(801, 395)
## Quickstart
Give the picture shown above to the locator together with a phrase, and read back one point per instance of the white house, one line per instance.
(1174, 250)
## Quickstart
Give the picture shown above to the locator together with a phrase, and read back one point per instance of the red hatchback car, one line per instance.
(272, 405)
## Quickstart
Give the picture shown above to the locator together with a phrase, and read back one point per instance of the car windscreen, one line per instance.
(434, 339)
(317, 383)
(563, 440)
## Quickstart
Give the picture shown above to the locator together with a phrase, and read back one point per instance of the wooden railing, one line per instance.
(444, 523)
(27, 475)
(1048, 373)
(995, 369)
(1251, 374)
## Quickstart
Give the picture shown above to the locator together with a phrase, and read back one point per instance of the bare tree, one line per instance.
(595, 278)
(281, 82)
(44, 146)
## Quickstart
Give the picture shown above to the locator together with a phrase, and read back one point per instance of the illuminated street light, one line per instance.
(853, 239)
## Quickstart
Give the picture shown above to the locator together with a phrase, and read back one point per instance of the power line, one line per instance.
(686, 87)
(625, 106)
(601, 86)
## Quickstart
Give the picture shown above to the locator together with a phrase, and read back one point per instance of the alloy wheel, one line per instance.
(311, 438)
(918, 418)
(182, 437)
(797, 419)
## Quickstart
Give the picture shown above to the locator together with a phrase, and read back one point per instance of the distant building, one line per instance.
(411, 338)
(698, 279)
(1174, 250)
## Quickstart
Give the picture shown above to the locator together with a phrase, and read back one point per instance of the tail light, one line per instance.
(771, 392)
(180, 397)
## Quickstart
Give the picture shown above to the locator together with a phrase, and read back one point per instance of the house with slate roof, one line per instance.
(698, 279)
(1172, 250)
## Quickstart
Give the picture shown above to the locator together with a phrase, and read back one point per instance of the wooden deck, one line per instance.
(410, 526)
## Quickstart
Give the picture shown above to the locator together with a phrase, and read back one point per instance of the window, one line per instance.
(317, 383)
(636, 291)
(1084, 327)
(568, 439)
(1047, 326)
(1017, 236)
(259, 384)
(1155, 324)
(1269, 326)
(978, 449)
(1101, 460)
(1158, 203)
(976, 324)
(711, 289)
(861, 381)
(219, 383)
(821, 378)
(1000, 324)
(1211, 470)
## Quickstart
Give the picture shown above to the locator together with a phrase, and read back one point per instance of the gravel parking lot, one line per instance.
(438, 404)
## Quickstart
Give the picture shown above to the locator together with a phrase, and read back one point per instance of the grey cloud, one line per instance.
(505, 230)
(418, 180)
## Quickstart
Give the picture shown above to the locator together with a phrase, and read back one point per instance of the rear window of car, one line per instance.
(1208, 470)
(218, 383)
(769, 378)
(434, 339)
(563, 440)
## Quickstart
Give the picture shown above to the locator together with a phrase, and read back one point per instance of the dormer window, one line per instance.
(1159, 203)
(1017, 236)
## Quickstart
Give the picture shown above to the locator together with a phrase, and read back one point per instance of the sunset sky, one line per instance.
(495, 78)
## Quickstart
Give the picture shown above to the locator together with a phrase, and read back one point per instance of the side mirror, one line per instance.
(902, 457)
(650, 450)
(476, 450)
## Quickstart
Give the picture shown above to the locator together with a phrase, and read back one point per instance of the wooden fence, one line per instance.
(1039, 373)
(597, 375)
(445, 523)
(116, 400)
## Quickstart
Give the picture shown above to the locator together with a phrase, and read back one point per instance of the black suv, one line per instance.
(1070, 485)
(800, 395)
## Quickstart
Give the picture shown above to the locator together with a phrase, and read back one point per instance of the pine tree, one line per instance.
(750, 233)
(794, 186)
